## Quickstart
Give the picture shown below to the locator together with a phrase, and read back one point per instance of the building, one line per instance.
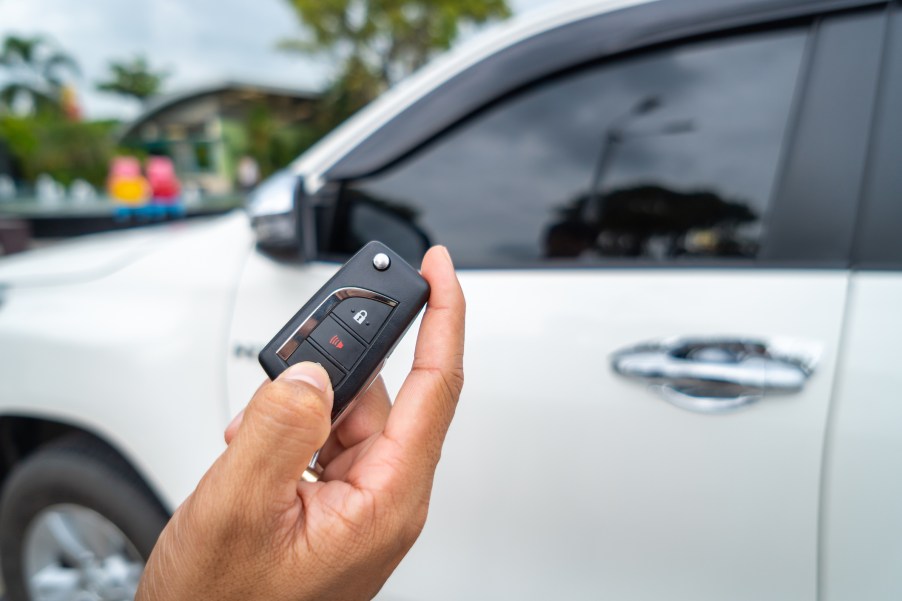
(206, 131)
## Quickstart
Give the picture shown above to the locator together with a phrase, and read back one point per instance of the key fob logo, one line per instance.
(360, 316)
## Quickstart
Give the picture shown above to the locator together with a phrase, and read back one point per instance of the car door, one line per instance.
(655, 309)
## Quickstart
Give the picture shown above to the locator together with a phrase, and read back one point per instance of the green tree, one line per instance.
(134, 78)
(35, 70)
(63, 149)
(378, 42)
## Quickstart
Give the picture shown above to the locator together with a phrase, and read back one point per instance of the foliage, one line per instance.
(378, 42)
(35, 70)
(269, 142)
(62, 149)
(134, 78)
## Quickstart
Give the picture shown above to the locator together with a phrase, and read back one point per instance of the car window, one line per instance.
(668, 154)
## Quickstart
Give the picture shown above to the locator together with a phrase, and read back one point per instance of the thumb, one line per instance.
(283, 426)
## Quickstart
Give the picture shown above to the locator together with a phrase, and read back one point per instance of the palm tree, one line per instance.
(35, 69)
(134, 79)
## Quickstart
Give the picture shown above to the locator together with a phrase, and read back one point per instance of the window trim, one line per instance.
(873, 208)
(817, 199)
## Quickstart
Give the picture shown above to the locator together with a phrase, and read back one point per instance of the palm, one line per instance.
(360, 460)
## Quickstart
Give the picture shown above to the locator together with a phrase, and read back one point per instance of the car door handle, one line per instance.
(714, 375)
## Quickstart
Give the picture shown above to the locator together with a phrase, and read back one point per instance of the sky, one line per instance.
(199, 42)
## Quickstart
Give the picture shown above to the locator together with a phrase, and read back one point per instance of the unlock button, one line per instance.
(364, 316)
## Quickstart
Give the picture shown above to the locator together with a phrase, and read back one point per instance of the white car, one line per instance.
(677, 225)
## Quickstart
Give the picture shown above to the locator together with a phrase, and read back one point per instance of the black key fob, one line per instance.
(352, 324)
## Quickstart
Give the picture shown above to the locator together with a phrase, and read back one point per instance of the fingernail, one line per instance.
(311, 373)
(236, 419)
(447, 255)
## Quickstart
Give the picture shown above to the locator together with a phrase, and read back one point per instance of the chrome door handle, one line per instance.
(714, 375)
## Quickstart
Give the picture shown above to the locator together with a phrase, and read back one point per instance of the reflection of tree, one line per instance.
(633, 222)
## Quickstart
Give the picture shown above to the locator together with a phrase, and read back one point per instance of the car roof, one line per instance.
(505, 58)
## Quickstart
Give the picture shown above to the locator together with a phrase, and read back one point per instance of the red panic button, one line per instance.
(337, 342)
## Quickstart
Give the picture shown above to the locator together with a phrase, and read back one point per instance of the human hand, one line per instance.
(253, 530)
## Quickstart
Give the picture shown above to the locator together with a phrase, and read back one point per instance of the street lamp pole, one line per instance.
(611, 140)
(614, 137)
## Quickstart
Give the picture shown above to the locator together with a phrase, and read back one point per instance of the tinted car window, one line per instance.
(668, 154)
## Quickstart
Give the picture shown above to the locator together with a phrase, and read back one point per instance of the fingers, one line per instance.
(282, 427)
(425, 405)
(415, 427)
(366, 418)
(233, 426)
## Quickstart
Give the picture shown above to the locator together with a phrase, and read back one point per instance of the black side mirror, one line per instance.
(305, 223)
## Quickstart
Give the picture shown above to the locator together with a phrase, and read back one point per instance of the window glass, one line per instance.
(669, 154)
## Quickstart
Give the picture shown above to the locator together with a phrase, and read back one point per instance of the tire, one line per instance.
(76, 486)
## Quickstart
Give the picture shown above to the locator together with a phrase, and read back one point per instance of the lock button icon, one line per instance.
(363, 316)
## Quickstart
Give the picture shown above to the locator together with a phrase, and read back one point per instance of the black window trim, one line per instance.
(867, 203)
(796, 202)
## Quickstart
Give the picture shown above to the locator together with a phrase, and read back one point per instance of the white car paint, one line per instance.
(78, 260)
(713, 506)
(861, 516)
(135, 355)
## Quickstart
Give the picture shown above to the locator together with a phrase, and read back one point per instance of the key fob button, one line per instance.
(337, 342)
(306, 352)
(364, 316)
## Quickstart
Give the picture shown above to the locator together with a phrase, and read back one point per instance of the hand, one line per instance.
(253, 530)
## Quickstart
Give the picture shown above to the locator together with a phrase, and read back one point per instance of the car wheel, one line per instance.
(76, 523)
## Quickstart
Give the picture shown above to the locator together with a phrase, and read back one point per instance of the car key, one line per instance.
(351, 326)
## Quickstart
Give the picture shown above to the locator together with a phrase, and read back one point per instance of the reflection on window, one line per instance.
(670, 154)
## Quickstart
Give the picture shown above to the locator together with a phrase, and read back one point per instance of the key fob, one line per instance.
(352, 324)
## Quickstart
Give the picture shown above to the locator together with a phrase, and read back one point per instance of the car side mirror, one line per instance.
(271, 208)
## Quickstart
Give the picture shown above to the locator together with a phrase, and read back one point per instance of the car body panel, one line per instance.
(135, 356)
(81, 259)
(862, 521)
(652, 500)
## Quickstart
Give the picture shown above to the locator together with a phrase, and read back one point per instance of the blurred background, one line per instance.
(119, 114)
